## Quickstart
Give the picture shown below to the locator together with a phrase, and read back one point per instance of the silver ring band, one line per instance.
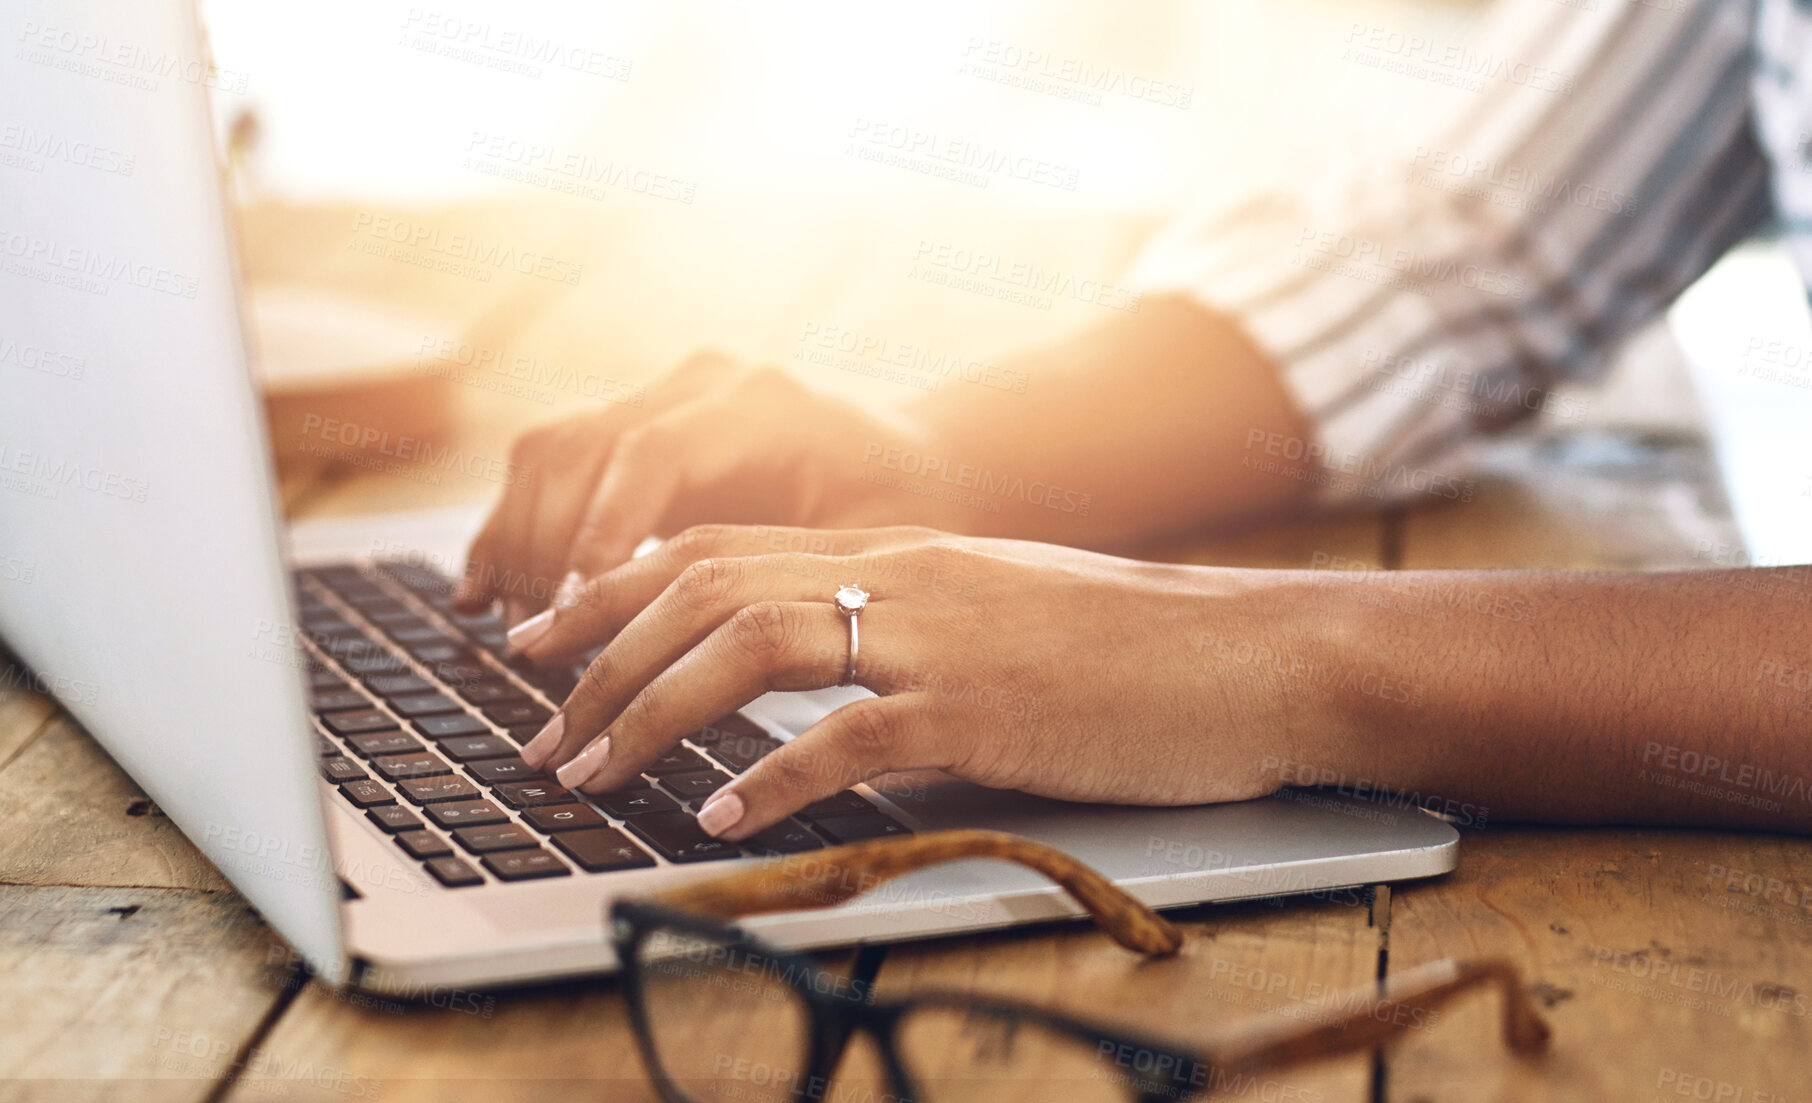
(849, 601)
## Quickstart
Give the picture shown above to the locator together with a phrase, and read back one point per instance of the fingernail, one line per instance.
(524, 635)
(581, 770)
(538, 750)
(572, 587)
(720, 813)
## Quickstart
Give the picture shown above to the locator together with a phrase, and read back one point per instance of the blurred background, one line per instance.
(460, 219)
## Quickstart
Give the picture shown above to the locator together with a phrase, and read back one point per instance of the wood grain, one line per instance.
(23, 711)
(128, 994)
(556, 1043)
(1655, 969)
(72, 817)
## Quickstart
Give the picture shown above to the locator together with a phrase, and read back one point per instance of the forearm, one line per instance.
(1147, 417)
(1565, 697)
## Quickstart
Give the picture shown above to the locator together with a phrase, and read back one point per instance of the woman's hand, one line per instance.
(714, 441)
(1010, 664)
(1073, 451)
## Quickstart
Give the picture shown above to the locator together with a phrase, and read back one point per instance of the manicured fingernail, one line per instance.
(524, 635)
(720, 813)
(538, 750)
(572, 587)
(581, 770)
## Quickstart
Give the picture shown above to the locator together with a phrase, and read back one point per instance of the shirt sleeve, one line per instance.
(1607, 160)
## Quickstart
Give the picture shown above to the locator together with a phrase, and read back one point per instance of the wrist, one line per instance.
(1334, 688)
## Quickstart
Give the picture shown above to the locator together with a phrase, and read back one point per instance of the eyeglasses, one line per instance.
(686, 968)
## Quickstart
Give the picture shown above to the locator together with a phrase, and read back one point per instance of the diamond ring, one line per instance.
(850, 600)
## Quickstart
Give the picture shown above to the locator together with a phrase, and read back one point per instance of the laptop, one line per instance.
(334, 735)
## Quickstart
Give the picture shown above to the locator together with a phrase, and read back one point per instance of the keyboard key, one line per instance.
(423, 845)
(433, 790)
(375, 664)
(357, 722)
(466, 813)
(557, 684)
(677, 836)
(325, 745)
(391, 615)
(461, 674)
(846, 803)
(785, 837)
(399, 685)
(340, 768)
(335, 700)
(501, 836)
(453, 873)
(639, 801)
(470, 748)
(533, 794)
(509, 713)
(679, 760)
(860, 827)
(393, 818)
(695, 787)
(364, 793)
(496, 771)
(424, 704)
(492, 691)
(445, 727)
(742, 751)
(420, 631)
(522, 733)
(322, 680)
(401, 767)
(447, 652)
(733, 726)
(601, 850)
(562, 817)
(382, 743)
(523, 865)
(478, 622)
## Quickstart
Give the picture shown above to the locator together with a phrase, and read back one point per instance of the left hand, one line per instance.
(1006, 663)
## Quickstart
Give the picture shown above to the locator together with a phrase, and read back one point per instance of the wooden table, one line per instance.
(1668, 961)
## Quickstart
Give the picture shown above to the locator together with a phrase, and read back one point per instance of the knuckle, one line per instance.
(706, 583)
(699, 541)
(763, 630)
(594, 682)
(869, 737)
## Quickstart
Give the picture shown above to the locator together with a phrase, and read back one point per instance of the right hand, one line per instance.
(715, 441)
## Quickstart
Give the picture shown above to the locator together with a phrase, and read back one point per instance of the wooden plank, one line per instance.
(128, 994)
(1669, 961)
(1238, 960)
(23, 710)
(72, 817)
(557, 1043)
(1352, 541)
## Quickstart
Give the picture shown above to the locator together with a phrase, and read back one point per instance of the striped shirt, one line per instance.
(1618, 150)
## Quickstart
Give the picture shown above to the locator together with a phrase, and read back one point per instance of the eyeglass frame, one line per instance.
(706, 908)
(834, 1020)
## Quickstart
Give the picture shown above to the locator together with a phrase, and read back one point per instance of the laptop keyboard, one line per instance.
(421, 711)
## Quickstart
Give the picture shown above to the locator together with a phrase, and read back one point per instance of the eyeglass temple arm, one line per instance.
(1366, 1022)
(824, 878)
